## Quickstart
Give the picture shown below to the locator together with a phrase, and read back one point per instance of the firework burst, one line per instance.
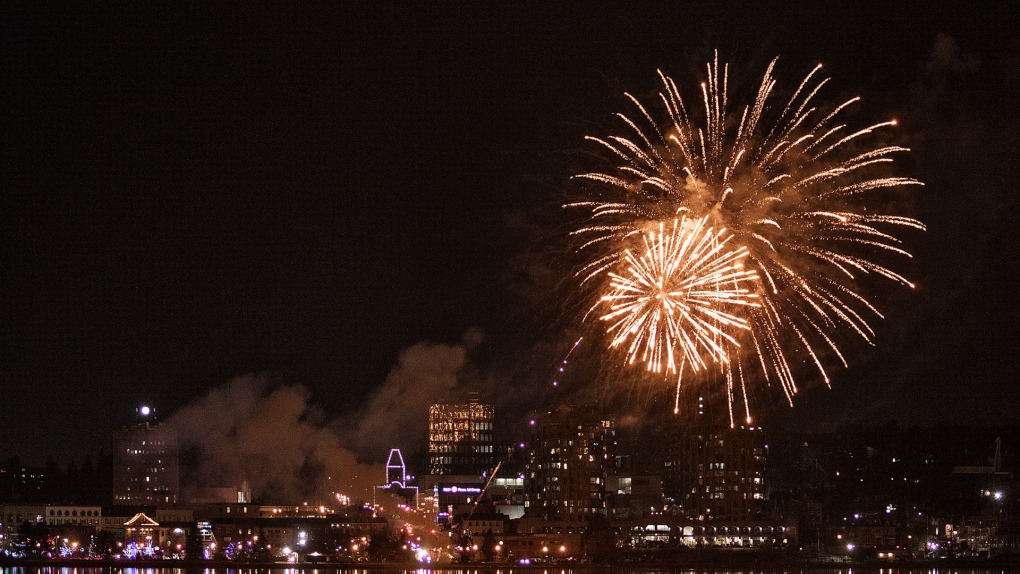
(679, 297)
(794, 186)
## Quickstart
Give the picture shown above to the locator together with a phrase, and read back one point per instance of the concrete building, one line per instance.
(714, 471)
(12, 516)
(22, 484)
(74, 515)
(634, 495)
(73, 523)
(145, 463)
(456, 495)
(570, 456)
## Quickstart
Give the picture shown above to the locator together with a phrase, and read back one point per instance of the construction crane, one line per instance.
(484, 488)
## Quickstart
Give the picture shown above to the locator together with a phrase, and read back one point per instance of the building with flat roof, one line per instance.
(570, 456)
(460, 438)
(715, 471)
(145, 463)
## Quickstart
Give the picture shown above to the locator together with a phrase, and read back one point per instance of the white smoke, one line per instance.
(397, 414)
(274, 439)
(272, 436)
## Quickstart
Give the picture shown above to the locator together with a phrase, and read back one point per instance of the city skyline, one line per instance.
(355, 210)
(151, 467)
(575, 478)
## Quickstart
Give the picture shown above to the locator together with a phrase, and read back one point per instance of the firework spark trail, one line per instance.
(563, 364)
(680, 294)
(788, 180)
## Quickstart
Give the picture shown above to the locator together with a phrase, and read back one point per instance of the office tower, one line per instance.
(460, 439)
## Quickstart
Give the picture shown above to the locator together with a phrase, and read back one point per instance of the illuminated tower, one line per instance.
(396, 472)
(460, 439)
(145, 463)
(396, 480)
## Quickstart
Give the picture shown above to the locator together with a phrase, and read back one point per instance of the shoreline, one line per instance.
(708, 564)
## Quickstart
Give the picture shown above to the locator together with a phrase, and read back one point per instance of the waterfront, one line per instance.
(381, 569)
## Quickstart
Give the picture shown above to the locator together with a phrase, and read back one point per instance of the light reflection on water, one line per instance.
(318, 569)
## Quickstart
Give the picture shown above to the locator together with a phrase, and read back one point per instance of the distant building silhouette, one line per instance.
(715, 471)
(20, 483)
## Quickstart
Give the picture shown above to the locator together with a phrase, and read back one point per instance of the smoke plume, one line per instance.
(397, 414)
(272, 438)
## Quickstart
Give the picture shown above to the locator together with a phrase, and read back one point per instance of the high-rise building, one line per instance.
(570, 454)
(715, 471)
(460, 439)
(145, 463)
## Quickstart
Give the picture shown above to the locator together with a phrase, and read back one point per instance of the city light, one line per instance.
(420, 533)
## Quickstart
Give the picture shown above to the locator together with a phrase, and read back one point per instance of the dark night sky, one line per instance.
(193, 194)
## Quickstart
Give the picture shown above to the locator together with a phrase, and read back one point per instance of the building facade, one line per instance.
(570, 456)
(145, 464)
(460, 439)
(25, 484)
(715, 471)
